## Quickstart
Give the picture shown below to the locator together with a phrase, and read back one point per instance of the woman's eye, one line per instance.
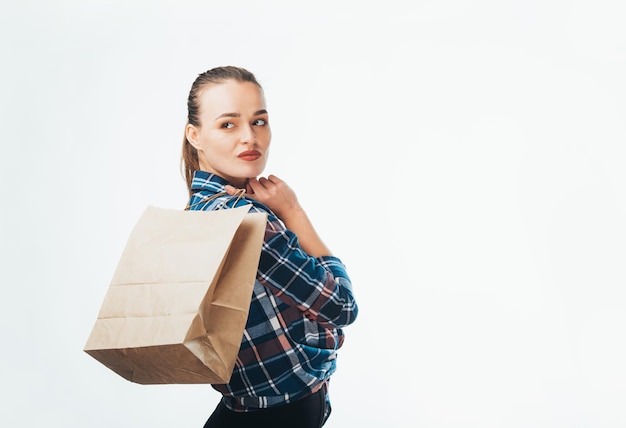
(228, 125)
(260, 122)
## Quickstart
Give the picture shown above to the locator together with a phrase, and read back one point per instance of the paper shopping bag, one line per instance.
(178, 302)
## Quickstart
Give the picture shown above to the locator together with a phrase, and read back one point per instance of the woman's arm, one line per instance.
(295, 263)
(282, 200)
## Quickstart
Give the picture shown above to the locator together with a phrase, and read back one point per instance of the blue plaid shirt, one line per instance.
(299, 305)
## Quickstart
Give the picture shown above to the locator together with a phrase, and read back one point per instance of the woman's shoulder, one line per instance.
(255, 206)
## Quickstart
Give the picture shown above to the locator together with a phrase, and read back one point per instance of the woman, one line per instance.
(302, 295)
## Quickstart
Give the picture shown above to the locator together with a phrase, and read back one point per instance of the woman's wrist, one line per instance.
(298, 222)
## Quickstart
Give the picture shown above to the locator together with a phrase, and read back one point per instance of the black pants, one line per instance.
(305, 413)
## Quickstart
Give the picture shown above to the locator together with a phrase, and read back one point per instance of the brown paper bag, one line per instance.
(178, 302)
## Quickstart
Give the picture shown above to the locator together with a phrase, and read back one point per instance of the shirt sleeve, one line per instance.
(318, 286)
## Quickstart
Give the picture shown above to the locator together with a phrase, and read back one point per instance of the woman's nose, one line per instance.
(248, 135)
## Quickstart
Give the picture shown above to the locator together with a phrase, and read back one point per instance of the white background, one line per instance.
(464, 158)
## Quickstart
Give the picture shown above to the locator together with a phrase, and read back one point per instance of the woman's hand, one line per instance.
(281, 199)
(274, 193)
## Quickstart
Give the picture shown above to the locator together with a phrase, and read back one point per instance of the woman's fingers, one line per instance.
(230, 189)
(255, 185)
(269, 190)
(274, 179)
(260, 189)
(263, 184)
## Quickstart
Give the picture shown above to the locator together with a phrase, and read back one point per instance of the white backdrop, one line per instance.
(464, 158)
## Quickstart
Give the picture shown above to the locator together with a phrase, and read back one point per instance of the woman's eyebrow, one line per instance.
(256, 113)
(228, 115)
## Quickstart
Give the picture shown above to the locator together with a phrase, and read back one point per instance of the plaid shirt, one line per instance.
(299, 305)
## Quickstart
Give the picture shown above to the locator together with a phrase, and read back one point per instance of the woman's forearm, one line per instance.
(298, 222)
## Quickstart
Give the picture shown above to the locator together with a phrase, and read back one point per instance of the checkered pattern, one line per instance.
(299, 306)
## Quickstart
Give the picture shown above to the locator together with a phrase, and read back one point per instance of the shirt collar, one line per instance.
(203, 180)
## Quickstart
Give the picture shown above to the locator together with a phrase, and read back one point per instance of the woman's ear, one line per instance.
(191, 132)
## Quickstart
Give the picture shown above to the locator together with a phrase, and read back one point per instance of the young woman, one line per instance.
(302, 295)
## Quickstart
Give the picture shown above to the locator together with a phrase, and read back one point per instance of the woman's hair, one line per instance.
(217, 75)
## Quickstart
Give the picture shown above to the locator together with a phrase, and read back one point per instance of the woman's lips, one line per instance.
(249, 155)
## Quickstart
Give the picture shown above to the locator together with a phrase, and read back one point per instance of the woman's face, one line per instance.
(234, 135)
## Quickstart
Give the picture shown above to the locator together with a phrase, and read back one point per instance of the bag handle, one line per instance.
(239, 193)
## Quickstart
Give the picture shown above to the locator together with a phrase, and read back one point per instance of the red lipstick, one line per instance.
(249, 155)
